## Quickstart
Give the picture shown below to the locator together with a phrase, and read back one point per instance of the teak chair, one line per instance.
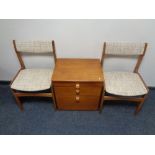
(125, 85)
(32, 82)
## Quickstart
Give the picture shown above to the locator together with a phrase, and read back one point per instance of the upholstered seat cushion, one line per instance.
(33, 80)
(124, 84)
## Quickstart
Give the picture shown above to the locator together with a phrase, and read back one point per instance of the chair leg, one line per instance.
(53, 97)
(19, 103)
(139, 107)
(54, 105)
(101, 104)
(101, 108)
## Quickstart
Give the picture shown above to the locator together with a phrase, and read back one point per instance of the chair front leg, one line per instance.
(102, 101)
(139, 106)
(53, 97)
(19, 103)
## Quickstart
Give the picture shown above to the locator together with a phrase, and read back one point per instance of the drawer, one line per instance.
(78, 89)
(78, 107)
(73, 84)
(84, 102)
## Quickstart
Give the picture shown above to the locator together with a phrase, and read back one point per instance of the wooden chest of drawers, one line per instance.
(76, 85)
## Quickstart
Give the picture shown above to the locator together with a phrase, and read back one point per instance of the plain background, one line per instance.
(76, 39)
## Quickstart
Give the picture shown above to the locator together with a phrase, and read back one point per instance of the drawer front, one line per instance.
(78, 107)
(78, 89)
(77, 102)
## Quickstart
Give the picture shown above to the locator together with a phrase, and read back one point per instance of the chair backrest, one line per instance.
(125, 49)
(35, 47)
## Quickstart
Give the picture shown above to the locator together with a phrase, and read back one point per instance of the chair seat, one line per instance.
(124, 84)
(33, 80)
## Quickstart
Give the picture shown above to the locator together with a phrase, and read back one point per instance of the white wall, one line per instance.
(76, 38)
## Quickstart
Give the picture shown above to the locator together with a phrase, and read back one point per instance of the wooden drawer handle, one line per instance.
(77, 91)
(77, 85)
(77, 98)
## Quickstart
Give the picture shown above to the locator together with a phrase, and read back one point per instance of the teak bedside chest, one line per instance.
(77, 84)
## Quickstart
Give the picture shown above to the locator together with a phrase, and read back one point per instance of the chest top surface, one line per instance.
(82, 70)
